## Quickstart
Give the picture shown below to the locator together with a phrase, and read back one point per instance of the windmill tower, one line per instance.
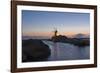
(55, 46)
(55, 33)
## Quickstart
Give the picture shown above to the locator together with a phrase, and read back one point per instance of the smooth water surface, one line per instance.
(66, 51)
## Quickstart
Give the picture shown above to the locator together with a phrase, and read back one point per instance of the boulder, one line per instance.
(34, 50)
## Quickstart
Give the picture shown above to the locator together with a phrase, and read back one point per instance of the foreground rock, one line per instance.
(34, 50)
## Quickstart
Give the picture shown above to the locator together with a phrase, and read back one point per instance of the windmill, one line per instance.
(55, 32)
(55, 48)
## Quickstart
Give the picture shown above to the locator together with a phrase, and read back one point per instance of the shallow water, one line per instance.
(66, 51)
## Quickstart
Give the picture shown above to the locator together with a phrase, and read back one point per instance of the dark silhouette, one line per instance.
(55, 32)
(34, 50)
(75, 41)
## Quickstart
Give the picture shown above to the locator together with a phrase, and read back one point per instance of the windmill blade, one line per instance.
(54, 29)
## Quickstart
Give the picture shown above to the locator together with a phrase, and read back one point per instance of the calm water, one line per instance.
(66, 51)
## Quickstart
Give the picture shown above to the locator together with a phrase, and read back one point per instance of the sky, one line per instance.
(43, 23)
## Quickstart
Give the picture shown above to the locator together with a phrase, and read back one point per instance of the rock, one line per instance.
(59, 38)
(75, 41)
(34, 50)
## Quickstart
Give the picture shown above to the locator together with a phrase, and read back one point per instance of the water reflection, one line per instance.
(66, 51)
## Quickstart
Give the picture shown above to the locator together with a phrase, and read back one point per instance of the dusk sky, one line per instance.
(43, 23)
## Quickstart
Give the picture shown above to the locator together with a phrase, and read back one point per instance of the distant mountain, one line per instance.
(81, 36)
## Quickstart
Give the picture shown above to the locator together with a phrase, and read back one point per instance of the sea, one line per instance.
(66, 51)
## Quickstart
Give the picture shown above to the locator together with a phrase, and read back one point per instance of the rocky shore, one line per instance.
(75, 41)
(34, 50)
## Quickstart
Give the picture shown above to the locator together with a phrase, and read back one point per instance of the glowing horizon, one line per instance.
(43, 23)
(49, 35)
